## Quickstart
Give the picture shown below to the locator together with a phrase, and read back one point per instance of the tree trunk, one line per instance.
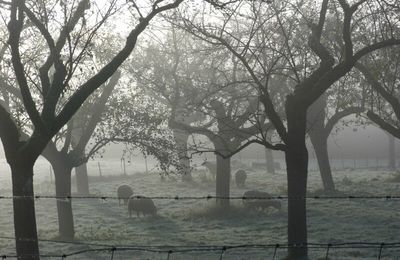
(82, 180)
(223, 181)
(392, 152)
(320, 144)
(181, 138)
(269, 159)
(297, 163)
(319, 138)
(24, 210)
(62, 173)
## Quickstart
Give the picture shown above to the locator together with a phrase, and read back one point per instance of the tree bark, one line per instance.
(181, 138)
(269, 159)
(82, 180)
(223, 181)
(297, 170)
(320, 144)
(269, 156)
(24, 210)
(319, 138)
(62, 166)
(62, 173)
(392, 152)
(297, 163)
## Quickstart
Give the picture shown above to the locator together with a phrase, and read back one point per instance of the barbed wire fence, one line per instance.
(209, 197)
(169, 250)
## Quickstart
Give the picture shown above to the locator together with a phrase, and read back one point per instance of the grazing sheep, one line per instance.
(141, 204)
(212, 168)
(124, 192)
(240, 178)
(260, 203)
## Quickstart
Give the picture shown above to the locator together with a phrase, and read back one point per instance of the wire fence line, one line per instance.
(168, 250)
(353, 245)
(209, 197)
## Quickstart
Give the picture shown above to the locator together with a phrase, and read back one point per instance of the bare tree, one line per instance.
(172, 68)
(311, 85)
(322, 117)
(227, 136)
(381, 72)
(45, 112)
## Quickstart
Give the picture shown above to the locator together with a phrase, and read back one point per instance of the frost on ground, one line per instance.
(193, 223)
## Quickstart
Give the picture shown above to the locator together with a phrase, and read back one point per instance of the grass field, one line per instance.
(193, 222)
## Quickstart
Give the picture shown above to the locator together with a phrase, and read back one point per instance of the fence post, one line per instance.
(380, 250)
(98, 165)
(222, 252)
(113, 249)
(327, 251)
(169, 253)
(276, 249)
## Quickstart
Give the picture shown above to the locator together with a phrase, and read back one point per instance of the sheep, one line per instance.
(124, 192)
(240, 178)
(259, 202)
(212, 168)
(141, 204)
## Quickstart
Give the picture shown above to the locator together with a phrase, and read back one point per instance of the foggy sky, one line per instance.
(370, 142)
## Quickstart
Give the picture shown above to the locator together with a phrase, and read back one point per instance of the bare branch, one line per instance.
(97, 110)
(383, 124)
(108, 70)
(389, 97)
(339, 115)
(57, 85)
(68, 136)
(15, 27)
(373, 47)
(8, 130)
(276, 147)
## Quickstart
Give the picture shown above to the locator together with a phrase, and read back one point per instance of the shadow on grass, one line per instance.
(236, 212)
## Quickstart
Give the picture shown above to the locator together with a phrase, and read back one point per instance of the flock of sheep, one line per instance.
(240, 175)
(138, 204)
(252, 199)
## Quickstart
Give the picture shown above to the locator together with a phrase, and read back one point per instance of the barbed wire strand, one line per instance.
(356, 244)
(208, 197)
(223, 249)
(309, 244)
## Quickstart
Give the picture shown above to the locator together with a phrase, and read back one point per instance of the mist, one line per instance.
(191, 129)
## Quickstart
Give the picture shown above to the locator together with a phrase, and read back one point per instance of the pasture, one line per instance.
(186, 223)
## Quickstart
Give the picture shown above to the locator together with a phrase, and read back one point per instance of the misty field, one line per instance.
(103, 223)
